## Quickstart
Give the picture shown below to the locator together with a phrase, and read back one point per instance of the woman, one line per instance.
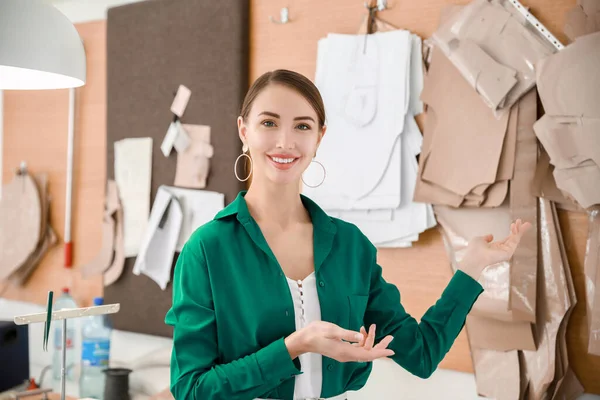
(274, 299)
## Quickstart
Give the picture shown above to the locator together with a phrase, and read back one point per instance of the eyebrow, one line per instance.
(274, 115)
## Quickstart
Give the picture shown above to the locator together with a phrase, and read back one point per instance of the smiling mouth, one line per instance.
(283, 161)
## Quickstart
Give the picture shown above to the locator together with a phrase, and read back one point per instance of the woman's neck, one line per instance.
(276, 205)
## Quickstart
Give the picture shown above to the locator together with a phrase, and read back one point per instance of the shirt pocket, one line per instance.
(357, 306)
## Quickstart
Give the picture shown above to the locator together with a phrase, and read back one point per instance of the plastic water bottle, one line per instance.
(64, 301)
(95, 350)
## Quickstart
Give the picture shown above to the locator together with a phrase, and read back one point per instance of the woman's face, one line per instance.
(282, 133)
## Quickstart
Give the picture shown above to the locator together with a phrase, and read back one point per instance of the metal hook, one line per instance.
(380, 5)
(383, 5)
(284, 16)
(22, 170)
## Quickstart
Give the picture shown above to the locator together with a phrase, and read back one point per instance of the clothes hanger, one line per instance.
(371, 23)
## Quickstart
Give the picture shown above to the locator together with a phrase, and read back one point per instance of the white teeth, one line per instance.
(282, 160)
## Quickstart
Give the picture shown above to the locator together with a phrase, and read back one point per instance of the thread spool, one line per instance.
(116, 386)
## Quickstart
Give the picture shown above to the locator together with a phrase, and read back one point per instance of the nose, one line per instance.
(285, 139)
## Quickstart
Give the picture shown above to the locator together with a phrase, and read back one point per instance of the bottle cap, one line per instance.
(65, 290)
(98, 301)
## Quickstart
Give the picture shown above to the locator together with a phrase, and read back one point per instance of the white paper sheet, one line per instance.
(133, 173)
(365, 89)
(168, 230)
(199, 207)
(410, 218)
(157, 250)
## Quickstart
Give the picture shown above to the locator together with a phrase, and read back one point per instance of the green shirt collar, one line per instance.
(238, 207)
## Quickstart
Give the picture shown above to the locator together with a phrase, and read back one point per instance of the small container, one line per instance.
(117, 384)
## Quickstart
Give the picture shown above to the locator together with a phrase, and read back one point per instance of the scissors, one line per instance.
(48, 320)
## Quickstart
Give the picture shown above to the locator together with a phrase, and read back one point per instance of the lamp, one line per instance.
(39, 47)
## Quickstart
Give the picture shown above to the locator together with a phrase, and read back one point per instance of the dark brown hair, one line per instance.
(292, 80)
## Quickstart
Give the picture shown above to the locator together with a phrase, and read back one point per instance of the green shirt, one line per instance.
(232, 309)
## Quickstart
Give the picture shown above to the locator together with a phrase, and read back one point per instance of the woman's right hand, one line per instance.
(337, 343)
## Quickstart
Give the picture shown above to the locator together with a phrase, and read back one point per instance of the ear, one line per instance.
(242, 129)
(321, 134)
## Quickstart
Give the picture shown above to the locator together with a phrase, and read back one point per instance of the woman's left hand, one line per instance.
(482, 251)
(368, 340)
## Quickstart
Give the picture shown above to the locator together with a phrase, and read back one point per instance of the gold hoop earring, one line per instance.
(244, 151)
(322, 180)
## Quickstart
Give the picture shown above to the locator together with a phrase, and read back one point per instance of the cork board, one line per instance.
(152, 48)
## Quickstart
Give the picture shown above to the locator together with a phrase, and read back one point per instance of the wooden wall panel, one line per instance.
(35, 131)
(421, 272)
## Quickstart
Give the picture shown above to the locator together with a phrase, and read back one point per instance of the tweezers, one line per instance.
(48, 321)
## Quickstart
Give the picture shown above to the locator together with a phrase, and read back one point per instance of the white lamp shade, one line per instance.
(39, 47)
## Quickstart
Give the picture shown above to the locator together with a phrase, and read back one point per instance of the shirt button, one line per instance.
(287, 313)
(330, 367)
(321, 283)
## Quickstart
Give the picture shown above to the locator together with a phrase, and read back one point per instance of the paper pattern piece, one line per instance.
(20, 223)
(104, 259)
(569, 88)
(157, 250)
(410, 217)
(453, 129)
(175, 137)
(133, 170)
(523, 205)
(582, 19)
(193, 164)
(502, 361)
(115, 269)
(592, 281)
(370, 101)
(370, 111)
(493, 50)
(180, 102)
(198, 207)
(176, 214)
(182, 140)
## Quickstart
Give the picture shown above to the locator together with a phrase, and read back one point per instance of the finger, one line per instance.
(346, 352)
(373, 354)
(488, 238)
(525, 227)
(335, 332)
(384, 343)
(364, 332)
(370, 338)
(361, 342)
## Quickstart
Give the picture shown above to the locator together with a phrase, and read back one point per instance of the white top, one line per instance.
(307, 309)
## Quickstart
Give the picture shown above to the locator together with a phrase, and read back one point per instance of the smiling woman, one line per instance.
(275, 299)
(282, 140)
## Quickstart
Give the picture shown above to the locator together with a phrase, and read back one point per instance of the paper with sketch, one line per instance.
(133, 173)
(366, 104)
(157, 250)
(198, 207)
(410, 218)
